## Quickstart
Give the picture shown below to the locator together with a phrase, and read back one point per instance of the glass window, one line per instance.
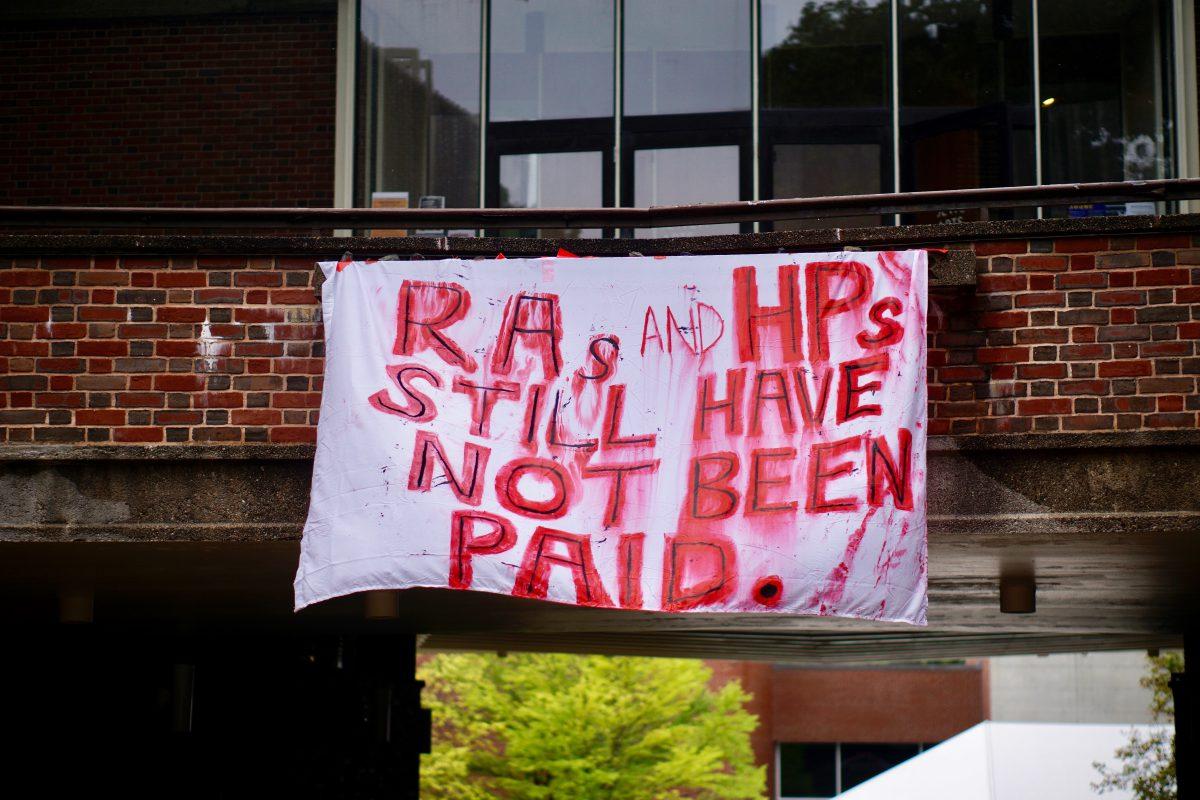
(686, 130)
(826, 102)
(553, 180)
(862, 762)
(807, 770)
(1106, 93)
(419, 100)
(966, 95)
(816, 170)
(825, 54)
(551, 59)
(686, 56)
(683, 175)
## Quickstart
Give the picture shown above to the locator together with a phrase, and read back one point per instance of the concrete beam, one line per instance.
(1109, 527)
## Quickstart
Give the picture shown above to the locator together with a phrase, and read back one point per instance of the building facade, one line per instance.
(590, 102)
(159, 394)
(823, 730)
(643, 103)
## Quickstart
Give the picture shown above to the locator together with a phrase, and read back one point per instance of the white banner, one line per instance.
(690, 433)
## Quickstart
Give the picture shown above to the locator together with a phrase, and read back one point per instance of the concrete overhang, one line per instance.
(1106, 525)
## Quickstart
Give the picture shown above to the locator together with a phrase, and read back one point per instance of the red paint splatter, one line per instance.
(894, 266)
(884, 564)
(768, 591)
(835, 584)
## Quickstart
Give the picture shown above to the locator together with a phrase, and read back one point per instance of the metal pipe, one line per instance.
(653, 217)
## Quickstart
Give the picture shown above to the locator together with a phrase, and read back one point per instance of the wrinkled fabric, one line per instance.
(740, 433)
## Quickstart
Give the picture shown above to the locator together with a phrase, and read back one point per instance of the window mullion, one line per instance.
(895, 8)
(1183, 21)
(755, 80)
(485, 38)
(1037, 98)
(618, 95)
(837, 767)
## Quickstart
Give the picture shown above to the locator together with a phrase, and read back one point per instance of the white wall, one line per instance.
(1076, 687)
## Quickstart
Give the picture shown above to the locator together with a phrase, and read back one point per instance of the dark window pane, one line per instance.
(826, 102)
(861, 762)
(419, 99)
(551, 59)
(966, 94)
(815, 170)
(686, 56)
(682, 175)
(1106, 92)
(807, 770)
(553, 180)
(825, 54)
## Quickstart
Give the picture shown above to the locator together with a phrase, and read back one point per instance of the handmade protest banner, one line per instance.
(737, 433)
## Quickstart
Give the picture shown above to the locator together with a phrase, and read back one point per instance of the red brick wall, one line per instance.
(1077, 334)
(207, 111)
(154, 349)
(855, 704)
(876, 705)
(1070, 335)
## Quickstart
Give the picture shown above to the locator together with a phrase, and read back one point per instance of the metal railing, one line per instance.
(101, 217)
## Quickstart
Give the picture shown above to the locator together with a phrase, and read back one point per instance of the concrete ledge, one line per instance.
(1109, 524)
(1121, 440)
(1189, 437)
(946, 268)
(261, 492)
(157, 452)
(808, 238)
(814, 648)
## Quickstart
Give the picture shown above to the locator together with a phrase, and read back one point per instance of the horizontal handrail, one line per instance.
(57, 217)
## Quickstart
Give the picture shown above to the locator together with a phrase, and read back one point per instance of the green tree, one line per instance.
(551, 727)
(1148, 761)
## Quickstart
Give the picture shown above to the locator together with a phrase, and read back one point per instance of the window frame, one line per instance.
(683, 131)
(761, 128)
(533, 137)
(837, 766)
